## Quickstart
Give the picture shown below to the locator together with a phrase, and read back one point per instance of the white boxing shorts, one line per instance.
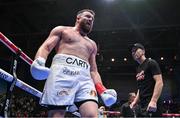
(69, 81)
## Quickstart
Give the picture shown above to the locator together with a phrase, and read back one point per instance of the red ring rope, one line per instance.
(15, 49)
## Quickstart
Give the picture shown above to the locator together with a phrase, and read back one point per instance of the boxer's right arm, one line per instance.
(38, 69)
(49, 43)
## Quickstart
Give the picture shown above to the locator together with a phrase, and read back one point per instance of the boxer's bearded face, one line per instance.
(86, 22)
(86, 26)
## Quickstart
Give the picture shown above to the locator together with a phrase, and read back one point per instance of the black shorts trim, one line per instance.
(55, 107)
(78, 104)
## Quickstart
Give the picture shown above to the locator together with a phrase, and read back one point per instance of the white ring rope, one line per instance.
(8, 77)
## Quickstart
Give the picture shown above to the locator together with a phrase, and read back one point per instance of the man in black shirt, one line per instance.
(149, 83)
(126, 111)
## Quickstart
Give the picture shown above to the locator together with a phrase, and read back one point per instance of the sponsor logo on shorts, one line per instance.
(77, 62)
(93, 93)
(64, 92)
(70, 72)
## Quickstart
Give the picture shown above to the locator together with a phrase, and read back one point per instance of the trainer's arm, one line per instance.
(49, 43)
(157, 88)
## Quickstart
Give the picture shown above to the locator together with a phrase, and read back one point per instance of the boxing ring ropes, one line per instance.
(22, 85)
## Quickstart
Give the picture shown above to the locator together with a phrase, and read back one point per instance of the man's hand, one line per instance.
(152, 107)
(38, 69)
(132, 105)
(109, 96)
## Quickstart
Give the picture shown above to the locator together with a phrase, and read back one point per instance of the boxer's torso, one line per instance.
(73, 43)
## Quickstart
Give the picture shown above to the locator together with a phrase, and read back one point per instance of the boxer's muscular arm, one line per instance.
(108, 96)
(49, 43)
(38, 69)
(93, 69)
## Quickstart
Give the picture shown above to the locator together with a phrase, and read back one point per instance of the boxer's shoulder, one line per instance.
(61, 29)
(91, 41)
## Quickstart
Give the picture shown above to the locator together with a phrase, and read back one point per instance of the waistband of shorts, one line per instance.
(67, 59)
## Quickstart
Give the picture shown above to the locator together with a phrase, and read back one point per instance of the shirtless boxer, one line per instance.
(73, 76)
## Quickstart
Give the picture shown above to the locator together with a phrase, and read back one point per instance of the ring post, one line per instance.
(12, 84)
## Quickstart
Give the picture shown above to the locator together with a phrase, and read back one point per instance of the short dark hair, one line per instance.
(132, 94)
(86, 10)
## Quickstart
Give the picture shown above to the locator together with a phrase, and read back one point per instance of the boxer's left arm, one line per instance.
(109, 96)
(156, 93)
